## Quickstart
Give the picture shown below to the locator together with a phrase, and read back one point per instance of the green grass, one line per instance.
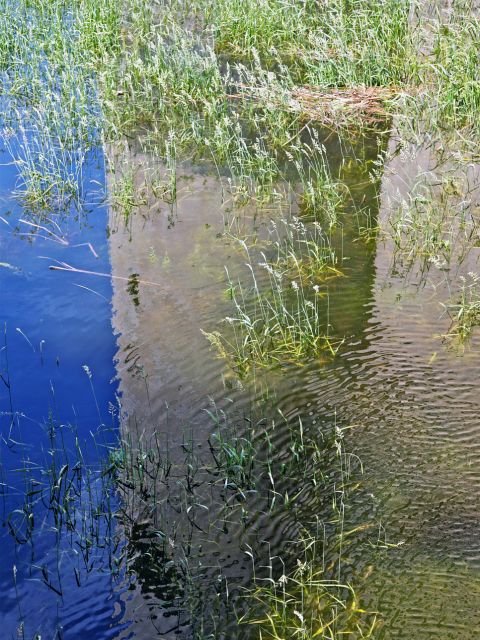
(147, 507)
(451, 72)
(464, 313)
(77, 73)
(273, 323)
(214, 83)
(334, 43)
(305, 604)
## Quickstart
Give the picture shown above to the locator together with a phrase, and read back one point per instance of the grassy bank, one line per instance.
(232, 83)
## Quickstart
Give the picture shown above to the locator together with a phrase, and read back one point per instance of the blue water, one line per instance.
(57, 365)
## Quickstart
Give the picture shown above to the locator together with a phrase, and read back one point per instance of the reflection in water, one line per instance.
(168, 376)
(133, 289)
(408, 401)
(421, 439)
(56, 354)
(403, 395)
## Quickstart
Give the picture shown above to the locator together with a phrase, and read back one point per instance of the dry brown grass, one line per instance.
(331, 106)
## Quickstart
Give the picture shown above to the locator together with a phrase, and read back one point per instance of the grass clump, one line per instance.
(451, 74)
(234, 454)
(303, 253)
(465, 314)
(50, 115)
(174, 80)
(126, 196)
(321, 197)
(329, 44)
(283, 315)
(280, 322)
(305, 604)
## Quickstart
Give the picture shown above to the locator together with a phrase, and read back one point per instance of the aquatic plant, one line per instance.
(280, 318)
(303, 253)
(147, 509)
(321, 197)
(50, 177)
(281, 324)
(125, 196)
(233, 454)
(305, 604)
(465, 313)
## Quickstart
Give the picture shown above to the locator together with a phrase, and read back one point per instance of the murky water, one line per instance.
(406, 395)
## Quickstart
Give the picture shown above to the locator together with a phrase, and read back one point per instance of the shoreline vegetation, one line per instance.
(249, 89)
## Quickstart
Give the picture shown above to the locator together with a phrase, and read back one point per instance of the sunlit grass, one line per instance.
(278, 318)
(465, 312)
(305, 604)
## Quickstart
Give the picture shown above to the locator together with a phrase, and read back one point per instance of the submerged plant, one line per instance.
(305, 604)
(302, 594)
(465, 314)
(50, 175)
(303, 253)
(233, 453)
(126, 195)
(321, 198)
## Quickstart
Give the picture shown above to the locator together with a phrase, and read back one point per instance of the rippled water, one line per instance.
(53, 324)
(407, 395)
